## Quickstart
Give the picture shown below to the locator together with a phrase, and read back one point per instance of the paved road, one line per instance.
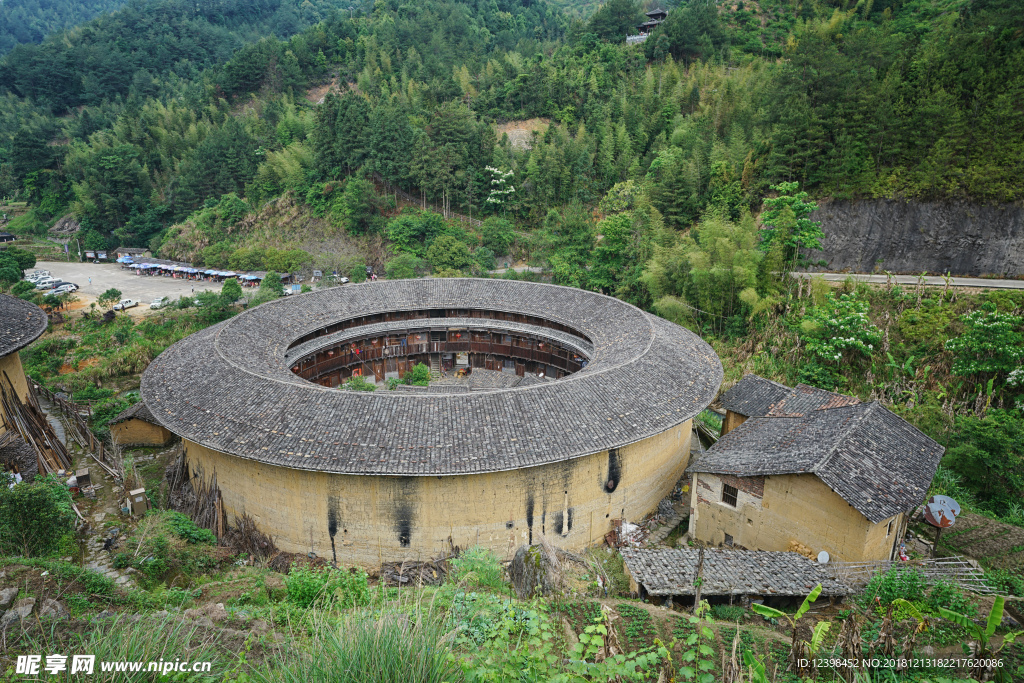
(978, 282)
(106, 275)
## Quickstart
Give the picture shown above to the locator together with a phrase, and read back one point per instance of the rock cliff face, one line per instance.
(911, 237)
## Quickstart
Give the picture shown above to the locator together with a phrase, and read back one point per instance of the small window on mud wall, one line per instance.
(729, 495)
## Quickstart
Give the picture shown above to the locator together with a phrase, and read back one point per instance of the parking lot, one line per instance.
(106, 275)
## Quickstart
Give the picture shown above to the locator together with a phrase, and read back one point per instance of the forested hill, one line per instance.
(29, 21)
(140, 118)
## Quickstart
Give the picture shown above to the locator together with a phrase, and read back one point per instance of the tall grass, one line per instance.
(386, 646)
(123, 639)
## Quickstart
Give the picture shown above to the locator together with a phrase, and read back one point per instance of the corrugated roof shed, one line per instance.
(729, 572)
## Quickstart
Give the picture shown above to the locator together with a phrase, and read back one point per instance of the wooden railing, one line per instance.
(78, 426)
(343, 359)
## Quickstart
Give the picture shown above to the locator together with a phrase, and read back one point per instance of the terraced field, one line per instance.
(994, 544)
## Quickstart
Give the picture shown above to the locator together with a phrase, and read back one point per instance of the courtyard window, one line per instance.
(729, 495)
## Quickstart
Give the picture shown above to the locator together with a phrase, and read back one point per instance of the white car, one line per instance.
(343, 280)
(45, 283)
(125, 304)
(66, 288)
(159, 302)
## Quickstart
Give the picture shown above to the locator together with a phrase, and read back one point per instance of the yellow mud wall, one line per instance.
(134, 432)
(365, 520)
(11, 364)
(732, 421)
(794, 508)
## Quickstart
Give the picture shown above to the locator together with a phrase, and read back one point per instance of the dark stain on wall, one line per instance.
(529, 515)
(332, 523)
(404, 510)
(614, 470)
(568, 520)
(557, 522)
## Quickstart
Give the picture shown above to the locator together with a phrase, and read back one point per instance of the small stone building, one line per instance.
(814, 471)
(137, 427)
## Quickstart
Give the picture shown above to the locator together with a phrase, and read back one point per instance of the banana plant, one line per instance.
(798, 648)
(982, 636)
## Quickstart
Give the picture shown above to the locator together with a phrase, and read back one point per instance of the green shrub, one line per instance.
(419, 375)
(359, 383)
(187, 530)
(948, 594)
(307, 586)
(478, 566)
(899, 582)
(728, 612)
(34, 517)
(1005, 582)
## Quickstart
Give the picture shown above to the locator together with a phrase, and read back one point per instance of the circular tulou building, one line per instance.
(574, 411)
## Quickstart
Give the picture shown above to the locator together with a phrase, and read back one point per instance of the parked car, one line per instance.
(159, 302)
(125, 304)
(66, 288)
(45, 283)
(343, 280)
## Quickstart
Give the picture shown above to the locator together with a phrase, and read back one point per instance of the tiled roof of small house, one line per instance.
(753, 395)
(139, 411)
(130, 250)
(729, 572)
(230, 386)
(876, 461)
(21, 323)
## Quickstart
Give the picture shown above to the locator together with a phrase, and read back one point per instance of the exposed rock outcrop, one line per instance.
(913, 236)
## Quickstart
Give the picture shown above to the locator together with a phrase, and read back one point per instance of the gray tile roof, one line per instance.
(729, 572)
(139, 411)
(230, 387)
(753, 395)
(21, 323)
(876, 461)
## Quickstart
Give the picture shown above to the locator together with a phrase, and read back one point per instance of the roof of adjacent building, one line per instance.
(139, 411)
(130, 250)
(729, 572)
(753, 395)
(21, 323)
(230, 387)
(876, 461)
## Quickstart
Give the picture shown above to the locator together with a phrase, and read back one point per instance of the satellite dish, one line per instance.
(823, 557)
(939, 515)
(948, 503)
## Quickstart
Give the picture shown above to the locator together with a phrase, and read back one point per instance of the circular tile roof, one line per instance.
(230, 387)
(21, 323)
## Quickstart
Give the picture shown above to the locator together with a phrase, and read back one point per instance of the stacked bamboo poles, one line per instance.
(29, 421)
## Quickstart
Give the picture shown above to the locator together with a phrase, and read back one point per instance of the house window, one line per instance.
(728, 540)
(888, 529)
(729, 495)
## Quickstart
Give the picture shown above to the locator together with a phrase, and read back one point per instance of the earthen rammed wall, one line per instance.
(134, 432)
(365, 520)
(773, 512)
